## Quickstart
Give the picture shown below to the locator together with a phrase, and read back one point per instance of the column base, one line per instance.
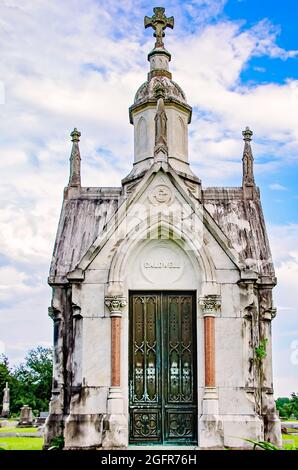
(272, 431)
(115, 429)
(238, 428)
(83, 431)
(53, 428)
(210, 423)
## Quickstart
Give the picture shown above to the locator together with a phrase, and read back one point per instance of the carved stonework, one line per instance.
(193, 189)
(269, 314)
(159, 22)
(267, 311)
(54, 314)
(161, 194)
(210, 304)
(115, 305)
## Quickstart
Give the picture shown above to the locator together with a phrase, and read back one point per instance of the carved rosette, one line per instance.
(210, 305)
(115, 305)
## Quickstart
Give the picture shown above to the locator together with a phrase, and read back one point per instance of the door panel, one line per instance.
(162, 368)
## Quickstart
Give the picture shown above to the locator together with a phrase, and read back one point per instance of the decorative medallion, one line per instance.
(161, 194)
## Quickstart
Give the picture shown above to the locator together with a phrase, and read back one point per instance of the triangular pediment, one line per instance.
(161, 193)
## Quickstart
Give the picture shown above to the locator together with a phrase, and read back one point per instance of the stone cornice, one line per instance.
(152, 103)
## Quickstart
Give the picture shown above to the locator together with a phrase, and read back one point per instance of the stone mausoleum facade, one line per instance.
(162, 294)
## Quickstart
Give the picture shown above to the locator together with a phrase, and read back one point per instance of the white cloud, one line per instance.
(277, 187)
(284, 242)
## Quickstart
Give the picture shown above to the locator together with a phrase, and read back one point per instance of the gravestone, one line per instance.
(6, 399)
(26, 417)
(41, 419)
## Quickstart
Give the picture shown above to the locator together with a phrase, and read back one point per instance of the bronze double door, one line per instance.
(162, 368)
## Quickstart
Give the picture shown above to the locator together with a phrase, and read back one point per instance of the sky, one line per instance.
(78, 64)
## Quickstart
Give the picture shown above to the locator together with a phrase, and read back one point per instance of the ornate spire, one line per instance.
(75, 160)
(159, 22)
(248, 159)
(161, 146)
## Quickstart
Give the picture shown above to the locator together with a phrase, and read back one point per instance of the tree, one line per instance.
(280, 403)
(32, 381)
(288, 406)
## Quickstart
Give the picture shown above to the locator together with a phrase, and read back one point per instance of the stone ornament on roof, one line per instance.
(159, 22)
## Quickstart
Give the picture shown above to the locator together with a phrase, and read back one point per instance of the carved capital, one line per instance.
(54, 314)
(269, 314)
(115, 305)
(210, 304)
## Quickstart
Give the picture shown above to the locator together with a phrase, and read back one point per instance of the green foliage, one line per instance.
(288, 407)
(57, 443)
(31, 382)
(261, 349)
(265, 445)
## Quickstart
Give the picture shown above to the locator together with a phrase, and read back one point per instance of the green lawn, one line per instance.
(289, 437)
(8, 429)
(21, 443)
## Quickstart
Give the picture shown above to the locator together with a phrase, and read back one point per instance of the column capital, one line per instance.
(54, 314)
(210, 304)
(268, 314)
(115, 305)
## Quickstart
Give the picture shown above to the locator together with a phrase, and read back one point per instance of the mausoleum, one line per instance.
(162, 293)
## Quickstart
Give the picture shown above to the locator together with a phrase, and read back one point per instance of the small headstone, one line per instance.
(26, 417)
(284, 428)
(6, 400)
(41, 419)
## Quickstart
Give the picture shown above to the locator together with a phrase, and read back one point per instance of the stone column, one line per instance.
(210, 425)
(54, 422)
(115, 428)
(272, 425)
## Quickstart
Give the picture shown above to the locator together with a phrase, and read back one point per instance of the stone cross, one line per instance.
(159, 22)
(5, 408)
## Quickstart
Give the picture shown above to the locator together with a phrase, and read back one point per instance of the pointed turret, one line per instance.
(248, 160)
(151, 113)
(75, 160)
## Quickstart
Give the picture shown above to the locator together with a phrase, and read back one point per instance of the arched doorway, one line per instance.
(162, 368)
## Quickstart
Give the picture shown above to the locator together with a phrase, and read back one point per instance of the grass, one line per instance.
(21, 443)
(18, 430)
(292, 438)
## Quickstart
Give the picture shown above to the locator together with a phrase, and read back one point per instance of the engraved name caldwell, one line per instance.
(161, 264)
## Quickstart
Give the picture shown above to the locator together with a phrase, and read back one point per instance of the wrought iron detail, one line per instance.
(162, 387)
(145, 425)
(180, 424)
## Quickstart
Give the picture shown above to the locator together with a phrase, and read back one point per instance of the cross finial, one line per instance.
(159, 22)
(247, 134)
(75, 135)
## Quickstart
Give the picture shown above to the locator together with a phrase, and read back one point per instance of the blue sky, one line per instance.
(78, 64)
